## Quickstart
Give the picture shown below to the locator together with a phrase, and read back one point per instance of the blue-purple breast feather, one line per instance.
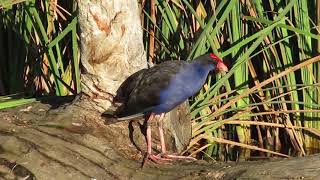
(163, 87)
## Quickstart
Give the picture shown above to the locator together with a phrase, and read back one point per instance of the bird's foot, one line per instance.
(165, 158)
(158, 159)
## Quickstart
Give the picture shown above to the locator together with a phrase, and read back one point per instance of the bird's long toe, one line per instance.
(177, 157)
(158, 159)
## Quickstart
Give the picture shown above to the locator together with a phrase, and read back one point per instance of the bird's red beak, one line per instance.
(221, 67)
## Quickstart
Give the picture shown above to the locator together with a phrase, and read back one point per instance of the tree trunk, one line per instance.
(111, 47)
(111, 50)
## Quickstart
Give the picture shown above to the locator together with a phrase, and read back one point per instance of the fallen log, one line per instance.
(63, 140)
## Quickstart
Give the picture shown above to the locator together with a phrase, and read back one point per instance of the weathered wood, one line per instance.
(71, 142)
(111, 47)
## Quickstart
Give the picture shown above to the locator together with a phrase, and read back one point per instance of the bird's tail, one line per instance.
(131, 117)
(111, 118)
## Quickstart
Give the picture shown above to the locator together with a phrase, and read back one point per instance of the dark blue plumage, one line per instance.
(165, 86)
(158, 90)
(188, 81)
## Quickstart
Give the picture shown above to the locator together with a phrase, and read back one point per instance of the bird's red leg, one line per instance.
(166, 156)
(161, 135)
(149, 154)
(163, 156)
(149, 142)
(162, 141)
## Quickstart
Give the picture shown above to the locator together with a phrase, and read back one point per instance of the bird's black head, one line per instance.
(212, 61)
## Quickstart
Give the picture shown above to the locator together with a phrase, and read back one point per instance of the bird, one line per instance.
(153, 92)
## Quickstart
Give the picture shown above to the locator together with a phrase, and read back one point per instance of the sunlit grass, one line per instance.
(271, 92)
(41, 54)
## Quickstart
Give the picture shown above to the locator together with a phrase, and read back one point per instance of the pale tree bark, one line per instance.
(111, 50)
(111, 47)
(59, 138)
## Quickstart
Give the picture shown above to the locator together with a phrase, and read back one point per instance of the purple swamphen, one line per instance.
(155, 91)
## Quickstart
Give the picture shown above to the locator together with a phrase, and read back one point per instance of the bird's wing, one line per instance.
(125, 89)
(147, 87)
